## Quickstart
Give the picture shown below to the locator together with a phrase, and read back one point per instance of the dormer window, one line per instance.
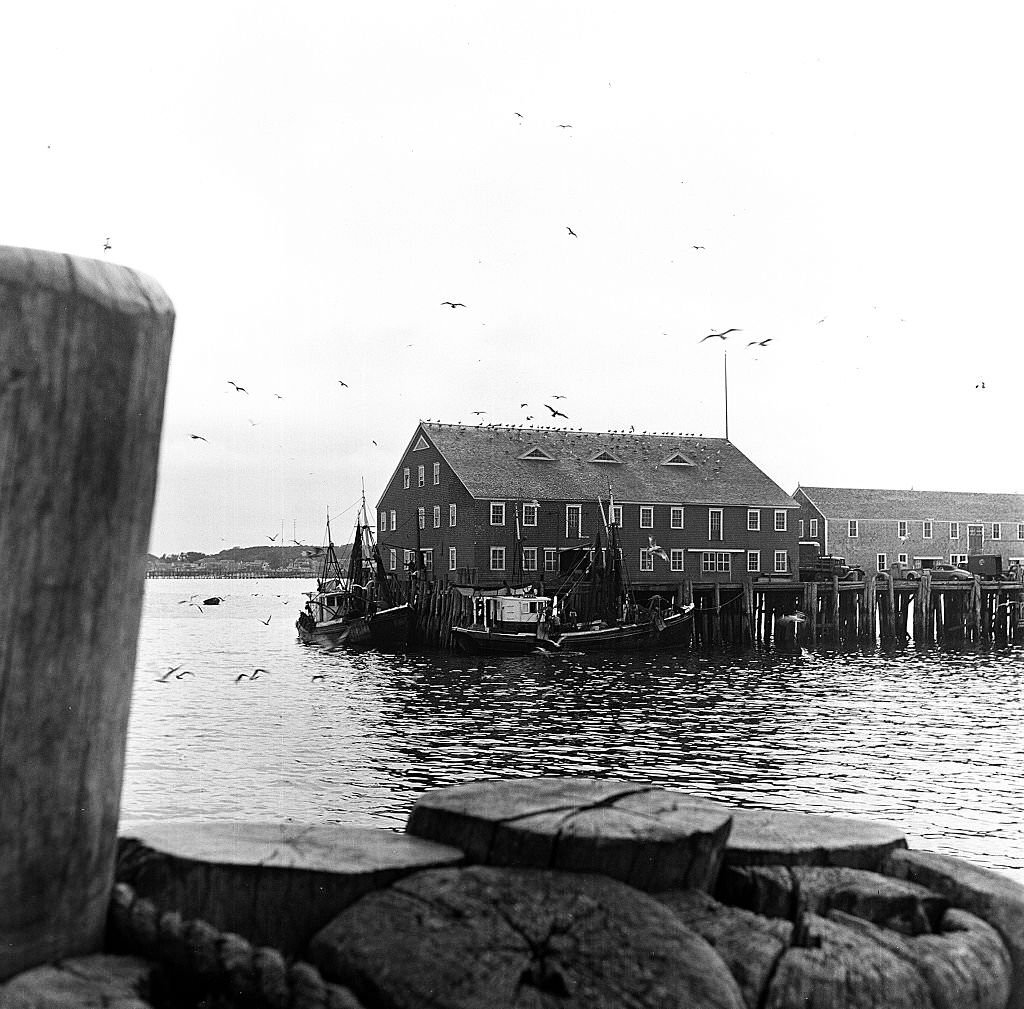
(421, 443)
(677, 459)
(537, 454)
(604, 456)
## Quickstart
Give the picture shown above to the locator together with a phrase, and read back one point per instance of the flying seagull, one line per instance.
(454, 304)
(479, 413)
(345, 384)
(653, 548)
(197, 437)
(571, 232)
(557, 395)
(565, 126)
(518, 114)
(274, 537)
(557, 413)
(238, 388)
(760, 343)
(164, 677)
(720, 336)
(267, 621)
(106, 244)
(698, 247)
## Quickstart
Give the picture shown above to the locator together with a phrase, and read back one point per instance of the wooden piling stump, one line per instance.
(651, 838)
(493, 938)
(84, 347)
(273, 883)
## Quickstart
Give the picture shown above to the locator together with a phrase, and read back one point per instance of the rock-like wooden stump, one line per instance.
(273, 883)
(777, 837)
(84, 347)
(651, 838)
(88, 982)
(491, 938)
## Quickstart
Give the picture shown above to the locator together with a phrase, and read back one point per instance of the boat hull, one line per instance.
(663, 632)
(484, 641)
(386, 629)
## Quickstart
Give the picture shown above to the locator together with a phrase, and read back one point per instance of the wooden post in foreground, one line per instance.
(84, 347)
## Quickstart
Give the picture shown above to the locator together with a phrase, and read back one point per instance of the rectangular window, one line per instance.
(881, 562)
(407, 559)
(852, 528)
(903, 558)
(646, 560)
(901, 529)
(926, 529)
(428, 559)
(958, 559)
(497, 513)
(421, 516)
(383, 522)
(781, 560)
(394, 520)
(437, 473)
(997, 530)
(753, 560)
(813, 523)
(646, 517)
(437, 516)
(550, 559)
(753, 520)
(1020, 530)
(393, 559)
(616, 516)
(954, 530)
(405, 478)
(529, 514)
(676, 517)
(497, 558)
(801, 533)
(452, 561)
(714, 523)
(675, 560)
(573, 521)
(780, 520)
(421, 477)
(529, 558)
(451, 516)
(715, 561)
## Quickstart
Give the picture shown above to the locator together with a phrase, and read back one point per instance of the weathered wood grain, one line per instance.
(490, 938)
(84, 348)
(750, 945)
(778, 837)
(273, 883)
(651, 838)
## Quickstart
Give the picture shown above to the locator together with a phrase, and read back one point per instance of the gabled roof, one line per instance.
(915, 505)
(489, 461)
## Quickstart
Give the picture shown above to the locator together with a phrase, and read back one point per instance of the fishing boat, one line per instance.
(503, 624)
(360, 608)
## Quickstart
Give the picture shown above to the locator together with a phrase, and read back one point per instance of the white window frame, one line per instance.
(421, 476)
(957, 559)
(676, 559)
(615, 516)
(903, 558)
(407, 558)
(383, 522)
(927, 529)
(394, 520)
(530, 512)
(529, 558)
(646, 560)
(437, 516)
(753, 520)
(452, 516)
(497, 558)
(780, 516)
(405, 478)
(676, 517)
(497, 508)
(452, 559)
(853, 529)
(881, 562)
(716, 562)
(437, 474)
(954, 530)
(427, 556)
(393, 558)
(901, 529)
(550, 560)
(997, 530)
(812, 528)
(801, 526)
(753, 561)
(576, 509)
(421, 517)
(647, 511)
(1020, 530)
(781, 561)
(712, 538)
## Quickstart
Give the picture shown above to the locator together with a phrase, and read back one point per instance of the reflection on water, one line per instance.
(928, 741)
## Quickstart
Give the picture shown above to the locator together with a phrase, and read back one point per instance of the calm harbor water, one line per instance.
(930, 741)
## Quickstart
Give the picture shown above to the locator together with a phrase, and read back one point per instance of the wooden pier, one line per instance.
(874, 611)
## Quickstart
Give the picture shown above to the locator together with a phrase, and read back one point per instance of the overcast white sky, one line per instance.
(309, 181)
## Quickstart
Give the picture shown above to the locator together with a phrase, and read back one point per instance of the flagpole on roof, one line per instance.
(725, 369)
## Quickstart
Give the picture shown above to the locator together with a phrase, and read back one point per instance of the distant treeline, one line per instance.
(276, 557)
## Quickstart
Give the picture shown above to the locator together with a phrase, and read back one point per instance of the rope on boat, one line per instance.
(253, 976)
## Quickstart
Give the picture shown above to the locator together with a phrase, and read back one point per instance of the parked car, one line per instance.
(942, 573)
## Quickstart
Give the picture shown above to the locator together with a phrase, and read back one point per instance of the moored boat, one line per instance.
(503, 624)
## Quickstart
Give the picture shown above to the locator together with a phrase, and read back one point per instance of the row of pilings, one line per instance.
(876, 610)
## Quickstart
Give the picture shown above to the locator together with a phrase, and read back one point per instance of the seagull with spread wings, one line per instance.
(720, 336)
